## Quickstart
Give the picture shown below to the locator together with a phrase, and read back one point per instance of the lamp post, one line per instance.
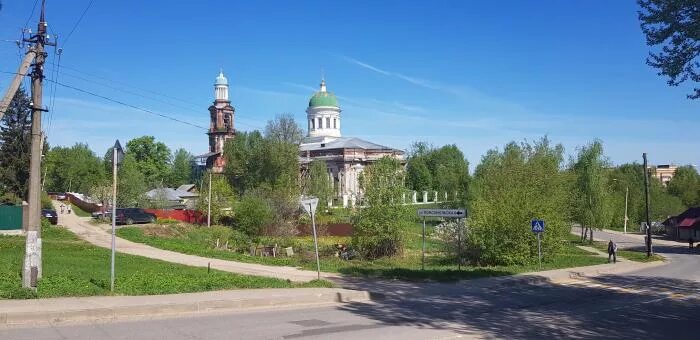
(117, 156)
(627, 193)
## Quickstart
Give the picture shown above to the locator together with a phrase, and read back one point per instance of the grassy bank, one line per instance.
(74, 268)
(200, 241)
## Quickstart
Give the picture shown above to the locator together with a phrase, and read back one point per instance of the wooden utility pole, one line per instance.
(31, 272)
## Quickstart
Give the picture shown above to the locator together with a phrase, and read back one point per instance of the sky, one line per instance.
(474, 74)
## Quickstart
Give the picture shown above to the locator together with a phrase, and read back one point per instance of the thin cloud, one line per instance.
(365, 65)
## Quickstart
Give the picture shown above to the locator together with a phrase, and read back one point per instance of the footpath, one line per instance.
(95, 235)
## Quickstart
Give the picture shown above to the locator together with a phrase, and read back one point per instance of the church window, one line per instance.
(335, 121)
(320, 123)
(313, 126)
(328, 122)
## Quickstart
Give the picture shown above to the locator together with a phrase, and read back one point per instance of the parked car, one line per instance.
(134, 215)
(50, 215)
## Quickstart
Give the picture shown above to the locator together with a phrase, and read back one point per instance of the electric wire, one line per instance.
(78, 22)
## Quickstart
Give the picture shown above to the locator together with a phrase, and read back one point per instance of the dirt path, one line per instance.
(96, 235)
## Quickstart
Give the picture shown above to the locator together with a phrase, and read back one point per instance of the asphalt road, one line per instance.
(661, 302)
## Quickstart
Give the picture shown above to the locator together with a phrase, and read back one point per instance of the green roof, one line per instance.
(323, 99)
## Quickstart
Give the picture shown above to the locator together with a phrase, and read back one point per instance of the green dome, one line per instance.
(323, 98)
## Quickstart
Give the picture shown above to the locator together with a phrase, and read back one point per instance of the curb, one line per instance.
(10, 318)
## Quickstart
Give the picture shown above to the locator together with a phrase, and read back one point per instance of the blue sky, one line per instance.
(476, 74)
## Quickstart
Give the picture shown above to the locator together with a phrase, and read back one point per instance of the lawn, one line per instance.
(72, 267)
(194, 240)
(80, 212)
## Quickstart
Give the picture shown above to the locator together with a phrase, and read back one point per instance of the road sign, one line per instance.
(310, 205)
(457, 213)
(537, 226)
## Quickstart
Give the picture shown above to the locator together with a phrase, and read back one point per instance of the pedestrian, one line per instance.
(612, 251)
(69, 208)
(690, 242)
(62, 208)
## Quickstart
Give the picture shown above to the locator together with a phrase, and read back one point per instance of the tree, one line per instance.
(418, 174)
(379, 229)
(685, 185)
(152, 159)
(131, 183)
(222, 198)
(319, 184)
(252, 214)
(253, 161)
(591, 196)
(15, 139)
(674, 25)
(509, 189)
(284, 129)
(181, 169)
(76, 168)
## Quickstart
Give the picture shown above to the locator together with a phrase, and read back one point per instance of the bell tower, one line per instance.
(221, 126)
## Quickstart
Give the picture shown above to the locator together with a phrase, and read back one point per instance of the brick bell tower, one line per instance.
(221, 126)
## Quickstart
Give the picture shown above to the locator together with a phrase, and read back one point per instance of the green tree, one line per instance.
(319, 184)
(592, 208)
(685, 185)
(509, 189)
(181, 169)
(222, 198)
(15, 141)
(152, 159)
(674, 26)
(380, 228)
(131, 186)
(253, 161)
(76, 169)
(418, 174)
(284, 129)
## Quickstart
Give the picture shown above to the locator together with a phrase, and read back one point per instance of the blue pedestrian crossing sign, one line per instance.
(537, 226)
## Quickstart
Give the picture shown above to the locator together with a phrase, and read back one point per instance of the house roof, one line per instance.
(170, 194)
(312, 144)
(186, 187)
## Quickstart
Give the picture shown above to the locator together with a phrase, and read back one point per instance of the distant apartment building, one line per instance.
(664, 172)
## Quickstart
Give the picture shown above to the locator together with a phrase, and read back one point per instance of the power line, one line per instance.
(31, 14)
(78, 22)
(126, 104)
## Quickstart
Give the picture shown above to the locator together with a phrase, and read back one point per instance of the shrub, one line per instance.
(251, 214)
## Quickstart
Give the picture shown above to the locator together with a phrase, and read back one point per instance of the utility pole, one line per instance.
(627, 193)
(209, 203)
(646, 200)
(31, 272)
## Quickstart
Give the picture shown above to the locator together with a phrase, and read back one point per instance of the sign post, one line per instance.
(117, 156)
(538, 229)
(449, 213)
(310, 205)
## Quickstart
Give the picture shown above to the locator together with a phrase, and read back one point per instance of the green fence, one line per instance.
(10, 217)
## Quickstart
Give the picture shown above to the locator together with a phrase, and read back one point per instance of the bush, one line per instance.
(46, 201)
(251, 214)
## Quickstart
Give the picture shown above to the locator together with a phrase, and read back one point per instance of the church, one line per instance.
(345, 157)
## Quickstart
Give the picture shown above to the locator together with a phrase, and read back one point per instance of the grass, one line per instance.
(72, 267)
(190, 240)
(80, 212)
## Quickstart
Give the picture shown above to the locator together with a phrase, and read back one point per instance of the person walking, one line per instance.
(69, 208)
(690, 242)
(62, 207)
(612, 251)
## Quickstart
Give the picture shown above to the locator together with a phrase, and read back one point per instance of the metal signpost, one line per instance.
(453, 213)
(117, 157)
(310, 204)
(538, 228)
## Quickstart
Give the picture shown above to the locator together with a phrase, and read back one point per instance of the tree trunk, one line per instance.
(591, 240)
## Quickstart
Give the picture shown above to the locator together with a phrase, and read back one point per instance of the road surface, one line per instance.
(656, 303)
